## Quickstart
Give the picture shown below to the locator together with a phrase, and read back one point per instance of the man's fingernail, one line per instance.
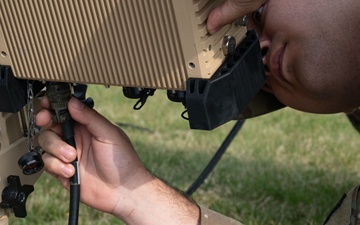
(68, 170)
(77, 104)
(67, 154)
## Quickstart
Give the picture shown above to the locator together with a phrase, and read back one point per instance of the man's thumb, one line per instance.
(97, 125)
(230, 11)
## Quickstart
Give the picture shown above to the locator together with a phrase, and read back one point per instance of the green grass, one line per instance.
(284, 168)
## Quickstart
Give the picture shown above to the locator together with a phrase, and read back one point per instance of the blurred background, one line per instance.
(283, 168)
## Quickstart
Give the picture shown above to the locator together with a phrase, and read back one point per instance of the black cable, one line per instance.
(59, 94)
(216, 158)
(68, 136)
(74, 204)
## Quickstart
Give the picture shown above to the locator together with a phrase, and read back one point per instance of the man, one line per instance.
(311, 56)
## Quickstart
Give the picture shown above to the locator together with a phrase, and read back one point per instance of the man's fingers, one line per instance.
(229, 11)
(98, 126)
(43, 119)
(56, 167)
(222, 15)
(44, 102)
(52, 144)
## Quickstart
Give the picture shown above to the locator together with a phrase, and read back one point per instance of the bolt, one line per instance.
(242, 21)
(229, 45)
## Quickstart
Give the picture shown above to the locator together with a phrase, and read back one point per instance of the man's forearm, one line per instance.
(154, 202)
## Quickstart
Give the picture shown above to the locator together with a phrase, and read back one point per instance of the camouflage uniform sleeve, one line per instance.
(209, 217)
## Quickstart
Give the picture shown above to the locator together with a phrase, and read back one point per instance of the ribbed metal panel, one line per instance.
(136, 43)
(128, 43)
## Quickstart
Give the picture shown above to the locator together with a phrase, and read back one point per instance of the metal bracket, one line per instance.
(215, 101)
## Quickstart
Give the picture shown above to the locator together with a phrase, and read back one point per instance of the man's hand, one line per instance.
(102, 149)
(113, 179)
(229, 11)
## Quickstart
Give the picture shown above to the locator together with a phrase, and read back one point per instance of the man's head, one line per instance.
(311, 50)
